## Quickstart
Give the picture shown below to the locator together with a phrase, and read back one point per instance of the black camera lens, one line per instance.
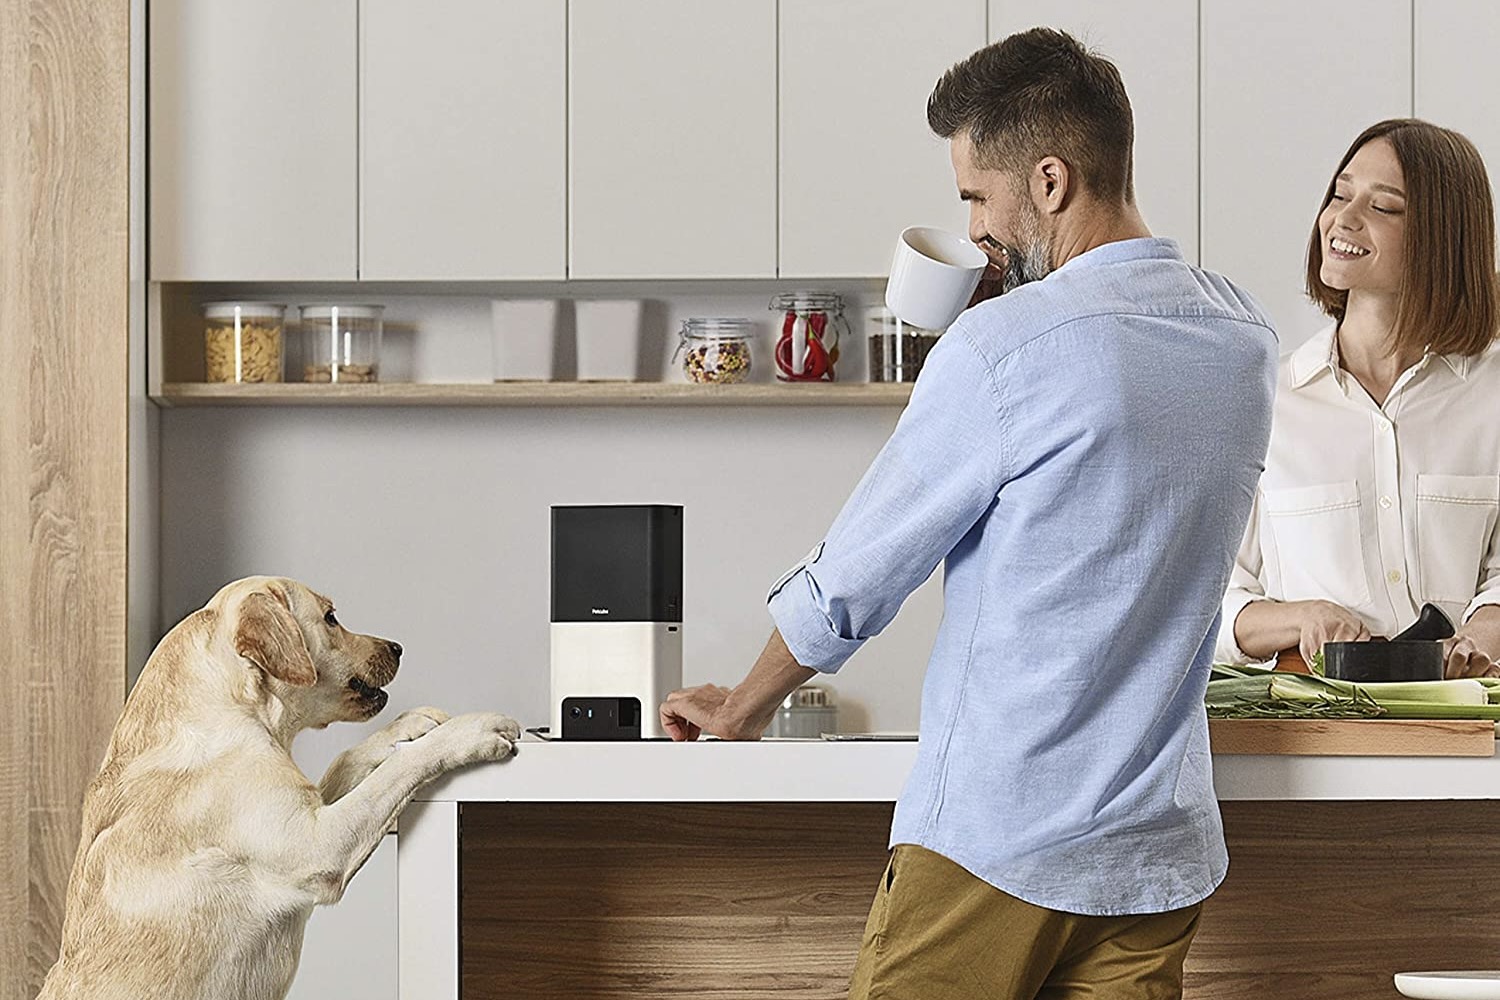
(576, 711)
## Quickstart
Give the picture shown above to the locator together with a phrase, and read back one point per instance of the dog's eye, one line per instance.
(330, 619)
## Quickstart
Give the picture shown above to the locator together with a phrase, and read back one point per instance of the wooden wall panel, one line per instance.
(64, 189)
(1325, 900)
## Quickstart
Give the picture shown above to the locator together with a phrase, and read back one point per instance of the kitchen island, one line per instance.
(733, 870)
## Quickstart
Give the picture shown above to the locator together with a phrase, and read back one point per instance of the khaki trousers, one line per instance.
(937, 932)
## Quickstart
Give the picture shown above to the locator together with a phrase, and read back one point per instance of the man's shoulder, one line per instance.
(999, 326)
(1064, 300)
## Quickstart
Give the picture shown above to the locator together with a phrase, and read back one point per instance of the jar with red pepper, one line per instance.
(807, 340)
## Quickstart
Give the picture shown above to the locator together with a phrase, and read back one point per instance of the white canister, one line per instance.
(524, 334)
(609, 339)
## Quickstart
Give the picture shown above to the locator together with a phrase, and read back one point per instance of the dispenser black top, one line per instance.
(617, 563)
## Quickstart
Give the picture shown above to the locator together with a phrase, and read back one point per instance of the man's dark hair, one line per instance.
(1041, 93)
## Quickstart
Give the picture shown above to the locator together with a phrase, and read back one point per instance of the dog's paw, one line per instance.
(415, 724)
(481, 736)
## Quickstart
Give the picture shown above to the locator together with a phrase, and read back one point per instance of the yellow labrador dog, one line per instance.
(204, 847)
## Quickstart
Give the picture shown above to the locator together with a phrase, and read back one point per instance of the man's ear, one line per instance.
(1051, 183)
(269, 637)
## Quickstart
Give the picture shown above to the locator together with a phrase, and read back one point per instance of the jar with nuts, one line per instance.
(715, 350)
(243, 341)
(341, 344)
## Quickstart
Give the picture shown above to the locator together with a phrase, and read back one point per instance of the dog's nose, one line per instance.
(395, 648)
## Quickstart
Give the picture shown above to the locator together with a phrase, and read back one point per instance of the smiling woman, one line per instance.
(1409, 214)
(1382, 484)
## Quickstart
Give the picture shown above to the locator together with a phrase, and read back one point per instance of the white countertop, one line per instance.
(819, 771)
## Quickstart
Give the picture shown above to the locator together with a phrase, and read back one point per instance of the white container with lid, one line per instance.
(243, 341)
(341, 344)
(609, 339)
(523, 332)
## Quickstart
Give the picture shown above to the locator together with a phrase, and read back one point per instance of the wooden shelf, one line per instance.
(532, 394)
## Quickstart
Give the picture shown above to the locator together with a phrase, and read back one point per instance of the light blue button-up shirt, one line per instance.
(1081, 453)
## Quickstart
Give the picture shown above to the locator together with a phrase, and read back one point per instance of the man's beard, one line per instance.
(1030, 262)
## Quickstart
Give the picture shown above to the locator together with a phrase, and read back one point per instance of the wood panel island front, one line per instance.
(738, 871)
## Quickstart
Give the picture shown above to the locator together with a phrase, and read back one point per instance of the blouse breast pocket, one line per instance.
(1316, 533)
(1455, 519)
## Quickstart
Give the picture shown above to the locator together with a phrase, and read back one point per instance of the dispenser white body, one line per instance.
(616, 660)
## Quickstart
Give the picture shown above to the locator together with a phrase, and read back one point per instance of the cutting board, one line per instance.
(1354, 737)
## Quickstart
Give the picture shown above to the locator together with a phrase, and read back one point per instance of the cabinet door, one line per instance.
(1457, 76)
(252, 140)
(1154, 44)
(363, 924)
(1287, 85)
(672, 138)
(463, 125)
(858, 162)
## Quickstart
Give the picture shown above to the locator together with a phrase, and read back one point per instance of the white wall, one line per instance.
(430, 526)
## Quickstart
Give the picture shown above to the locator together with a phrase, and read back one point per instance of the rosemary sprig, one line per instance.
(1325, 706)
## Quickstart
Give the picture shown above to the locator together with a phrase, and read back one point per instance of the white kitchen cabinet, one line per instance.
(462, 140)
(1287, 85)
(1457, 76)
(350, 948)
(672, 138)
(252, 140)
(858, 162)
(1154, 44)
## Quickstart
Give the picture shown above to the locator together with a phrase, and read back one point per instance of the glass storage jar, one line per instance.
(806, 714)
(808, 334)
(243, 341)
(715, 350)
(897, 349)
(341, 343)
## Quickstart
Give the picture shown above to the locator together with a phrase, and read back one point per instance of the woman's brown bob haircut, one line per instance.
(1036, 94)
(1447, 301)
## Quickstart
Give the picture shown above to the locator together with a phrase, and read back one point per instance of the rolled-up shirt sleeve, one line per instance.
(1245, 588)
(932, 481)
(1489, 576)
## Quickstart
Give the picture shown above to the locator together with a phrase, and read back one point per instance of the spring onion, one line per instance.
(1258, 692)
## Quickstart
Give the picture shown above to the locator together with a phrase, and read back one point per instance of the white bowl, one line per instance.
(1482, 985)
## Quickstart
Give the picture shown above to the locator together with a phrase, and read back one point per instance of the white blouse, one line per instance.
(1376, 508)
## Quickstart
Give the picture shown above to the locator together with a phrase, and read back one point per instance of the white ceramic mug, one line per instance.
(933, 276)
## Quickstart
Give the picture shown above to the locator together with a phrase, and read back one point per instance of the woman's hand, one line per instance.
(1324, 621)
(1475, 650)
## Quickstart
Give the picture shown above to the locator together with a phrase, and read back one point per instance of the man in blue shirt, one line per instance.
(1080, 453)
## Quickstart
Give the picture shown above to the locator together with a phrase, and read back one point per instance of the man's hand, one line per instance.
(690, 712)
(1324, 621)
(744, 712)
(992, 282)
(1474, 651)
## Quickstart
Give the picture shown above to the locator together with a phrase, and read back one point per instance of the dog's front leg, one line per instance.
(355, 764)
(348, 831)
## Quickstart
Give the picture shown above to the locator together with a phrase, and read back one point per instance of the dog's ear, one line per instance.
(269, 637)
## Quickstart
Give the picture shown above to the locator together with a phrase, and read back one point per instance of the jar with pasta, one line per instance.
(341, 344)
(715, 350)
(243, 341)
